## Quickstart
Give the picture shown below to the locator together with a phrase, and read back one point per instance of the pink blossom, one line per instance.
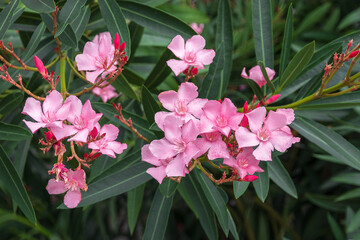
(183, 104)
(97, 57)
(256, 75)
(213, 144)
(220, 117)
(72, 183)
(198, 28)
(266, 133)
(83, 119)
(191, 54)
(50, 115)
(245, 163)
(177, 148)
(105, 93)
(107, 145)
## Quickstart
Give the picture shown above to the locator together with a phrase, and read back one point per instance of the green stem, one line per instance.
(62, 75)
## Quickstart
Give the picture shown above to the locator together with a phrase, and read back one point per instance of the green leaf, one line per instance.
(40, 6)
(156, 20)
(255, 88)
(34, 41)
(5, 17)
(11, 132)
(281, 177)
(215, 200)
(232, 226)
(133, 77)
(68, 13)
(122, 85)
(286, 44)
(296, 65)
(168, 187)
(139, 123)
(115, 22)
(201, 205)
(21, 156)
(335, 228)
(262, 28)
(239, 188)
(212, 85)
(355, 193)
(160, 71)
(185, 12)
(328, 140)
(326, 202)
(81, 21)
(10, 102)
(352, 178)
(313, 17)
(136, 33)
(264, 73)
(150, 105)
(134, 201)
(157, 220)
(355, 223)
(11, 181)
(349, 100)
(261, 184)
(349, 19)
(224, 35)
(68, 37)
(114, 184)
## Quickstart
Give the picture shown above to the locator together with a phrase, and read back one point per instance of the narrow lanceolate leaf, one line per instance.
(355, 193)
(34, 41)
(68, 37)
(296, 65)
(150, 105)
(156, 20)
(349, 100)
(133, 77)
(122, 85)
(158, 217)
(281, 177)
(239, 188)
(328, 140)
(81, 21)
(261, 184)
(168, 187)
(114, 184)
(335, 228)
(134, 201)
(286, 44)
(212, 85)
(264, 73)
(349, 19)
(10, 102)
(40, 6)
(232, 226)
(11, 132)
(355, 223)
(215, 200)
(160, 71)
(202, 207)
(313, 17)
(11, 181)
(68, 14)
(6, 16)
(115, 22)
(136, 33)
(224, 36)
(263, 36)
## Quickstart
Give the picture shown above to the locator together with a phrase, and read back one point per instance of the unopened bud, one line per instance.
(122, 47)
(194, 71)
(272, 99)
(97, 155)
(10, 45)
(250, 178)
(186, 71)
(353, 54)
(57, 80)
(335, 58)
(85, 155)
(94, 133)
(117, 41)
(246, 107)
(349, 44)
(40, 66)
(125, 59)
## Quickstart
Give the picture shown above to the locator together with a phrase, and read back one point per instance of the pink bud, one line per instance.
(353, 54)
(94, 133)
(194, 71)
(40, 66)
(49, 135)
(116, 41)
(122, 47)
(250, 178)
(272, 98)
(246, 107)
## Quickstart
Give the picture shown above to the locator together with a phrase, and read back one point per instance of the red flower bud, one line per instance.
(246, 107)
(250, 178)
(272, 98)
(116, 41)
(40, 66)
(353, 54)
(97, 155)
(94, 133)
(194, 71)
(122, 47)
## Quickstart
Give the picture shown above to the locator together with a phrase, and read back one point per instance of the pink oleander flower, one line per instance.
(107, 145)
(72, 183)
(256, 75)
(105, 93)
(197, 28)
(222, 117)
(266, 133)
(183, 104)
(245, 163)
(97, 57)
(177, 148)
(213, 144)
(83, 119)
(50, 115)
(191, 54)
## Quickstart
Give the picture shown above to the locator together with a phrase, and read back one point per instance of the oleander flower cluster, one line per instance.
(198, 129)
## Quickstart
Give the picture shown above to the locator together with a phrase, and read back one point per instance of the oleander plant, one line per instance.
(179, 119)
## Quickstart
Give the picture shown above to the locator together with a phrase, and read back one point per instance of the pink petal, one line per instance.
(172, 128)
(91, 76)
(235, 120)
(80, 136)
(177, 46)
(212, 109)
(175, 168)
(195, 44)
(111, 132)
(189, 131)
(274, 121)
(63, 132)
(160, 117)
(230, 162)
(72, 198)
(195, 107)
(108, 152)
(162, 149)
(203, 145)
(33, 109)
(34, 126)
(206, 125)
(85, 62)
(270, 73)
(147, 156)
(205, 56)
(64, 111)
(105, 45)
(92, 48)
(158, 173)
(228, 108)
(187, 92)
(256, 118)
(75, 109)
(52, 102)
(168, 99)
(87, 112)
(177, 66)
(263, 151)
(218, 149)
(117, 147)
(244, 74)
(224, 130)
(94, 145)
(245, 138)
(56, 187)
(190, 152)
(289, 113)
(281, 140)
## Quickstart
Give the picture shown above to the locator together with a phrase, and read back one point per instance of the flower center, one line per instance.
(165, 162)
(49, 117)
(181, 107)
(180, 146)
(243, 163)
(263, 134)
(190, 57)
(212, 136)
(102, 143)
(100, 62)
(221, 121)
(79, 123)
(72, 185)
